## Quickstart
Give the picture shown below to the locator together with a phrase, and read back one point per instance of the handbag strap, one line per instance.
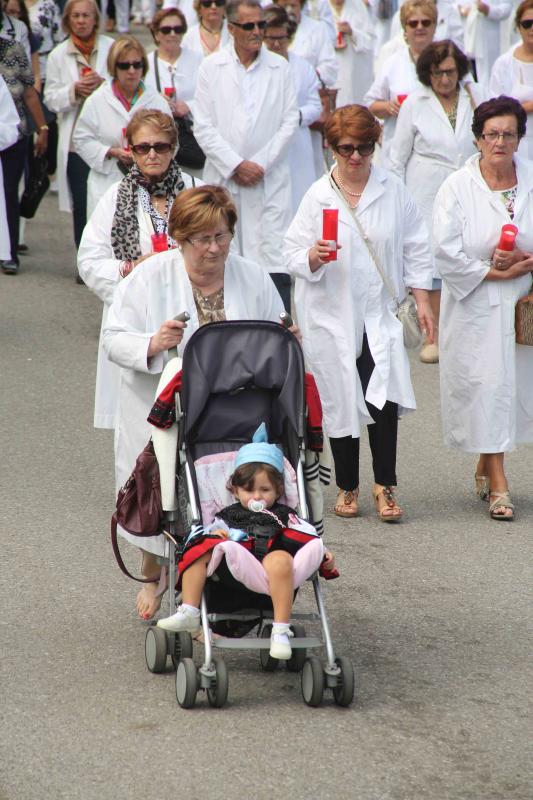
(156, 72)
(120, 561)
(368, 243)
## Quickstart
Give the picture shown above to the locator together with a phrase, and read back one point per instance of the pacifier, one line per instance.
(256, 505)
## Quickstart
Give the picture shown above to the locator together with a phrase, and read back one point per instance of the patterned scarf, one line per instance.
(125, 237)
(85, 46)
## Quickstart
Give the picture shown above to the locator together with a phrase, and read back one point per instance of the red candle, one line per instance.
(330, 228)
(85, 71)
(340, 43)
(159, 242)
(507, 237)
(401, 98)
(170, 92)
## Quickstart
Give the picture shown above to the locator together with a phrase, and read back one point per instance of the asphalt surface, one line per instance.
(433, 612)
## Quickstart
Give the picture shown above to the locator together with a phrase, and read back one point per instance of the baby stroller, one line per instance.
(236, 375)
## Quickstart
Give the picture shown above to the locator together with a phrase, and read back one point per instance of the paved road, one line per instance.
(432, 612)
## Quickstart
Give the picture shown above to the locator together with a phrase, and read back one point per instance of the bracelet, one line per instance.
(125, 268)
(42, 128)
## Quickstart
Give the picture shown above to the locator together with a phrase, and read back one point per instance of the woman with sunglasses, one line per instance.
(397, 76)
(512, 73)
(352, 339)
(211, 33)
(486, 377)
(433, 138)
(99, 132)
(202, 277)
(118, 235)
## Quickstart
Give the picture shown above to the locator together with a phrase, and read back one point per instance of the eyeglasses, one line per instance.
(414, 23)
(348, 150)
(168, 29)
(444, 73)
(203, 242)
(144, 148)
(493, 136)
(249, 26)
(124, 65)
(209, 3)
(526, 24)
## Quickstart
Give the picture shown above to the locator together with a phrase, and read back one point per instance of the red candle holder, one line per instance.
(170, 93)
(159, 242)
(401, 98)
(85, 71)
(330, 230)
(507, 237)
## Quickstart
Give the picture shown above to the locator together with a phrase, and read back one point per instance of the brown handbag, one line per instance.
(523, 321)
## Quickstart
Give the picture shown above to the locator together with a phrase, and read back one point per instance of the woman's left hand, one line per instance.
(503, 259)
(41, 142)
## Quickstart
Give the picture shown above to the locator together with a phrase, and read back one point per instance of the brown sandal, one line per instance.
(346, 505)
(386, 502)
(482, 486)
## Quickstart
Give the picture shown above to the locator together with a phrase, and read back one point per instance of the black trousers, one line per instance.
(77, 175)
(382, 435)
(283, 285)
(13, 161)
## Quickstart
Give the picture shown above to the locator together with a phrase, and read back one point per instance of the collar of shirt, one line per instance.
(254, 63)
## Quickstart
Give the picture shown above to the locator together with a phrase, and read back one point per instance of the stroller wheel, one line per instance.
(186, 683)
(268, 664)
(297, 660)
(155, 649)
(312, 681)
(344, 691)
(218, 694)
(182, 647)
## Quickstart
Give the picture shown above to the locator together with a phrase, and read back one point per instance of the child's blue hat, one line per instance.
(261, 451)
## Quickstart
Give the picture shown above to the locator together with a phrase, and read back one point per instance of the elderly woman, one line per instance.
(354, 49)
(397, 77)
(76, 68)
(172, 68)
(119, 233)
(99, 133)
(433, 138)
(211, 33)
(200, 277)
(351, 336)
(486, 378)
(512, 73)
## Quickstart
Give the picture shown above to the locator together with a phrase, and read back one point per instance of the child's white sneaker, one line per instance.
(280, 646)
(186, 618)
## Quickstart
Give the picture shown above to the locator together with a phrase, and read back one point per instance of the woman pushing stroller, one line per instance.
(293, 548)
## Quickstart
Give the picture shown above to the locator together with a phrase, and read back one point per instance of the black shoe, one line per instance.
(10, 267)
(80, 280)
(23, 249)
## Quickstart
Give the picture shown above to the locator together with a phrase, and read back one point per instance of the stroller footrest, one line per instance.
(248, 643)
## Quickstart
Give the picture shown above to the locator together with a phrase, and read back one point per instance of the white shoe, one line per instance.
(280, 646)
(183, 620)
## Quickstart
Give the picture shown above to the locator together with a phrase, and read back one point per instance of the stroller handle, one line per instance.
(286, 319)
(183, 317)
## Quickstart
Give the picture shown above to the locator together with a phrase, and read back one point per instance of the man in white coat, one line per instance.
(246, 115)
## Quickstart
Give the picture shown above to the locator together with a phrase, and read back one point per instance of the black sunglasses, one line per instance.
(144, 148)
(127, 64)
(249, 26)
(166, 29)
(526, 24)
(209, 3)
(414, 23)
(348, 150)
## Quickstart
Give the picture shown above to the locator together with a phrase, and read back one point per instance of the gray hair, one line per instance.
(232, 8)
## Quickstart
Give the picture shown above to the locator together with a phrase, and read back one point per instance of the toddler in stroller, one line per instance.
(266, 546)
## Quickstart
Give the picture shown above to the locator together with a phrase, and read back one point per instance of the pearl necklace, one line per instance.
(344, 189)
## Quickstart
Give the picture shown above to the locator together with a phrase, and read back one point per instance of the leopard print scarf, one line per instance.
(125, 236)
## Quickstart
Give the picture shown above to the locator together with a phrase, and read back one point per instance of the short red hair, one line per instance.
(354, 121)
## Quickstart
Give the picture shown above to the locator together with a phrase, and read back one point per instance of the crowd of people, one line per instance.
(224, 146)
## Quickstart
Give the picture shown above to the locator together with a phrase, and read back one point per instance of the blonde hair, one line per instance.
(161, 122)
(410, 7)
(197, 210)
(65, 19)
(121, 46)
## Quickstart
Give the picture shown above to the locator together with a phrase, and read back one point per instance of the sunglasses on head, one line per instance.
(249, 26)
(144, 148)
(414, 23)
(526, 24)
(167, 29)
(127, 64)
(348, 150)
(209, 3)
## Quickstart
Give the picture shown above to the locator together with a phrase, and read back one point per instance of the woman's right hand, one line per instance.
(170, 334)
(319, 253)
(120, 154)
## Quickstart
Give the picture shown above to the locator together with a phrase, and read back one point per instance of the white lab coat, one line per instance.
(449, 23)
(426, 149)
(397, 76)
(184, 71)
(193, 41)
(99, 269)
(484, 35)
(302, 166)
(186, 7)
(63, 71)
(320, 10)
(343, 298)
(157, 290)
(514, 78)
(9, 133)
(250, 115)
(355, 61)
(486, 378)
(98, 128)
